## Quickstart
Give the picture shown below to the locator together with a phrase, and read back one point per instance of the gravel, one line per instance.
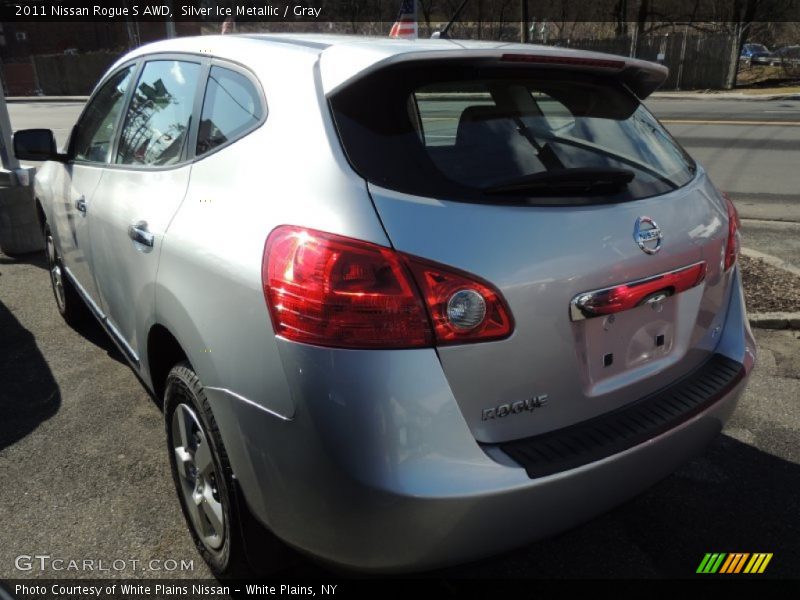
(768, 288)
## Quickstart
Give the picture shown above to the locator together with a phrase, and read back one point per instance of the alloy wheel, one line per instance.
(198, 477)
(56, 274)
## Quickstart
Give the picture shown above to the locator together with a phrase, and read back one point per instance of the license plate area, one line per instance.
(621, 348)
(623, 342)
(627, 332)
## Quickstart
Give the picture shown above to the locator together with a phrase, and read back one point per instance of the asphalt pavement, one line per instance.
(751, 149)
(58, 116)
(84, 461)
(721, 109)
(84, 464)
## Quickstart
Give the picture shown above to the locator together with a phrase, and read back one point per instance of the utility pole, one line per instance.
(133, 32)
(9, 161)
(523, 21)
(170, 23)
(20, 230)
(133, 40)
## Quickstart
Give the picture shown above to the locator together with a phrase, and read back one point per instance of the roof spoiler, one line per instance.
(640, 76)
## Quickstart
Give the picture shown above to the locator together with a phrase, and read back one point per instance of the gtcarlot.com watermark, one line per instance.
(45, 562)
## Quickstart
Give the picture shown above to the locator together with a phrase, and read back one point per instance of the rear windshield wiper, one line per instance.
(630, 161)
(564, 182)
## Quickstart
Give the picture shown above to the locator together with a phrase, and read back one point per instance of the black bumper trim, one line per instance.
(628, 426)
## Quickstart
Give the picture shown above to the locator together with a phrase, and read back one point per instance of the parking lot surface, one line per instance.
(85, 472)
(83, 458)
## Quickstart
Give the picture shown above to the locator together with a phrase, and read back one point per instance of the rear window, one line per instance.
(505, 134)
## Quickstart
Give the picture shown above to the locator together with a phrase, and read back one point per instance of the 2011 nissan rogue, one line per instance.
(406, 303)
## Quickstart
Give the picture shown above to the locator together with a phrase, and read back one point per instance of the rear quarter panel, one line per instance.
(289, 171)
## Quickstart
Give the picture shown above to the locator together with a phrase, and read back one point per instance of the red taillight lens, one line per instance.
(439, 285)
(734, 237)
(330, 290)
(334, 291)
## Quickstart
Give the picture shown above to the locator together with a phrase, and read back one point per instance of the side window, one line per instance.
(94, 133)
(231, 108)
(157, 124)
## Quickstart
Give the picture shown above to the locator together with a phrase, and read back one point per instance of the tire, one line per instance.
(203, 478)
(68, 302)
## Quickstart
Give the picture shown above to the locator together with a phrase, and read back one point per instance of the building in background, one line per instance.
(68, 59)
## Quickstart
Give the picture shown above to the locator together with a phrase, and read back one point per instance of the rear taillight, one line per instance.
(734, 237)
(462, 308)
(330, 290)
(334, 291)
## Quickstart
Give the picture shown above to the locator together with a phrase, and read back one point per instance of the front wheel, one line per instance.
(69, 303)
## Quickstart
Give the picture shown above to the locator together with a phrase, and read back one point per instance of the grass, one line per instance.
(764, 79)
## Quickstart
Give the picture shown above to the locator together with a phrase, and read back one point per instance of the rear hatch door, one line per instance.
(556, 185)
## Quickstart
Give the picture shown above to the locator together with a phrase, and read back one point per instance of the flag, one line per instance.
(228, 26)
(406, 24)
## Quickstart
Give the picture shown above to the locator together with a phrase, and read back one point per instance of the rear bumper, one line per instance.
(379, 471)
(634, 424)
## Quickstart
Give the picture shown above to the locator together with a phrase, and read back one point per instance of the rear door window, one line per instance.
(232, 108)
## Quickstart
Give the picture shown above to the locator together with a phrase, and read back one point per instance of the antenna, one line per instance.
(442, 33)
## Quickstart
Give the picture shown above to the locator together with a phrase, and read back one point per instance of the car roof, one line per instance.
(343, 58)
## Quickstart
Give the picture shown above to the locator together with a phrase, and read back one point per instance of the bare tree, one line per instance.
(427, 8)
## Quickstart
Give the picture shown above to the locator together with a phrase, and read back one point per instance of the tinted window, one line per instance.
(231, 108)
(506, 134)
(157, 124)
(94, 133)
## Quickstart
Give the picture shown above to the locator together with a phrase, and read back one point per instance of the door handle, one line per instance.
(80, 205)
(138, 233)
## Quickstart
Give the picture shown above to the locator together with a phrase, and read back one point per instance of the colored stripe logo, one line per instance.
(735, 562)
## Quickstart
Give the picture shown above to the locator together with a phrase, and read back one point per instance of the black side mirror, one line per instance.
(36, 144)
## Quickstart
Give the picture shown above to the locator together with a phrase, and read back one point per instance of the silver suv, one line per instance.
(406, 303)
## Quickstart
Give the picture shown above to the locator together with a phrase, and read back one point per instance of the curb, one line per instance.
(775, 320)
(655, 95)
(774, 261)
(28, 99)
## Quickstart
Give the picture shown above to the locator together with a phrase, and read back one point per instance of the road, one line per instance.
(86, 475)
(749, 160)
(58, 116)
(754, 156)
(725, 110)
(751, 149)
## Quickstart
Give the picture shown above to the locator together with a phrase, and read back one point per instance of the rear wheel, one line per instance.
(229, 538)
(69, 303)
(202, 474)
